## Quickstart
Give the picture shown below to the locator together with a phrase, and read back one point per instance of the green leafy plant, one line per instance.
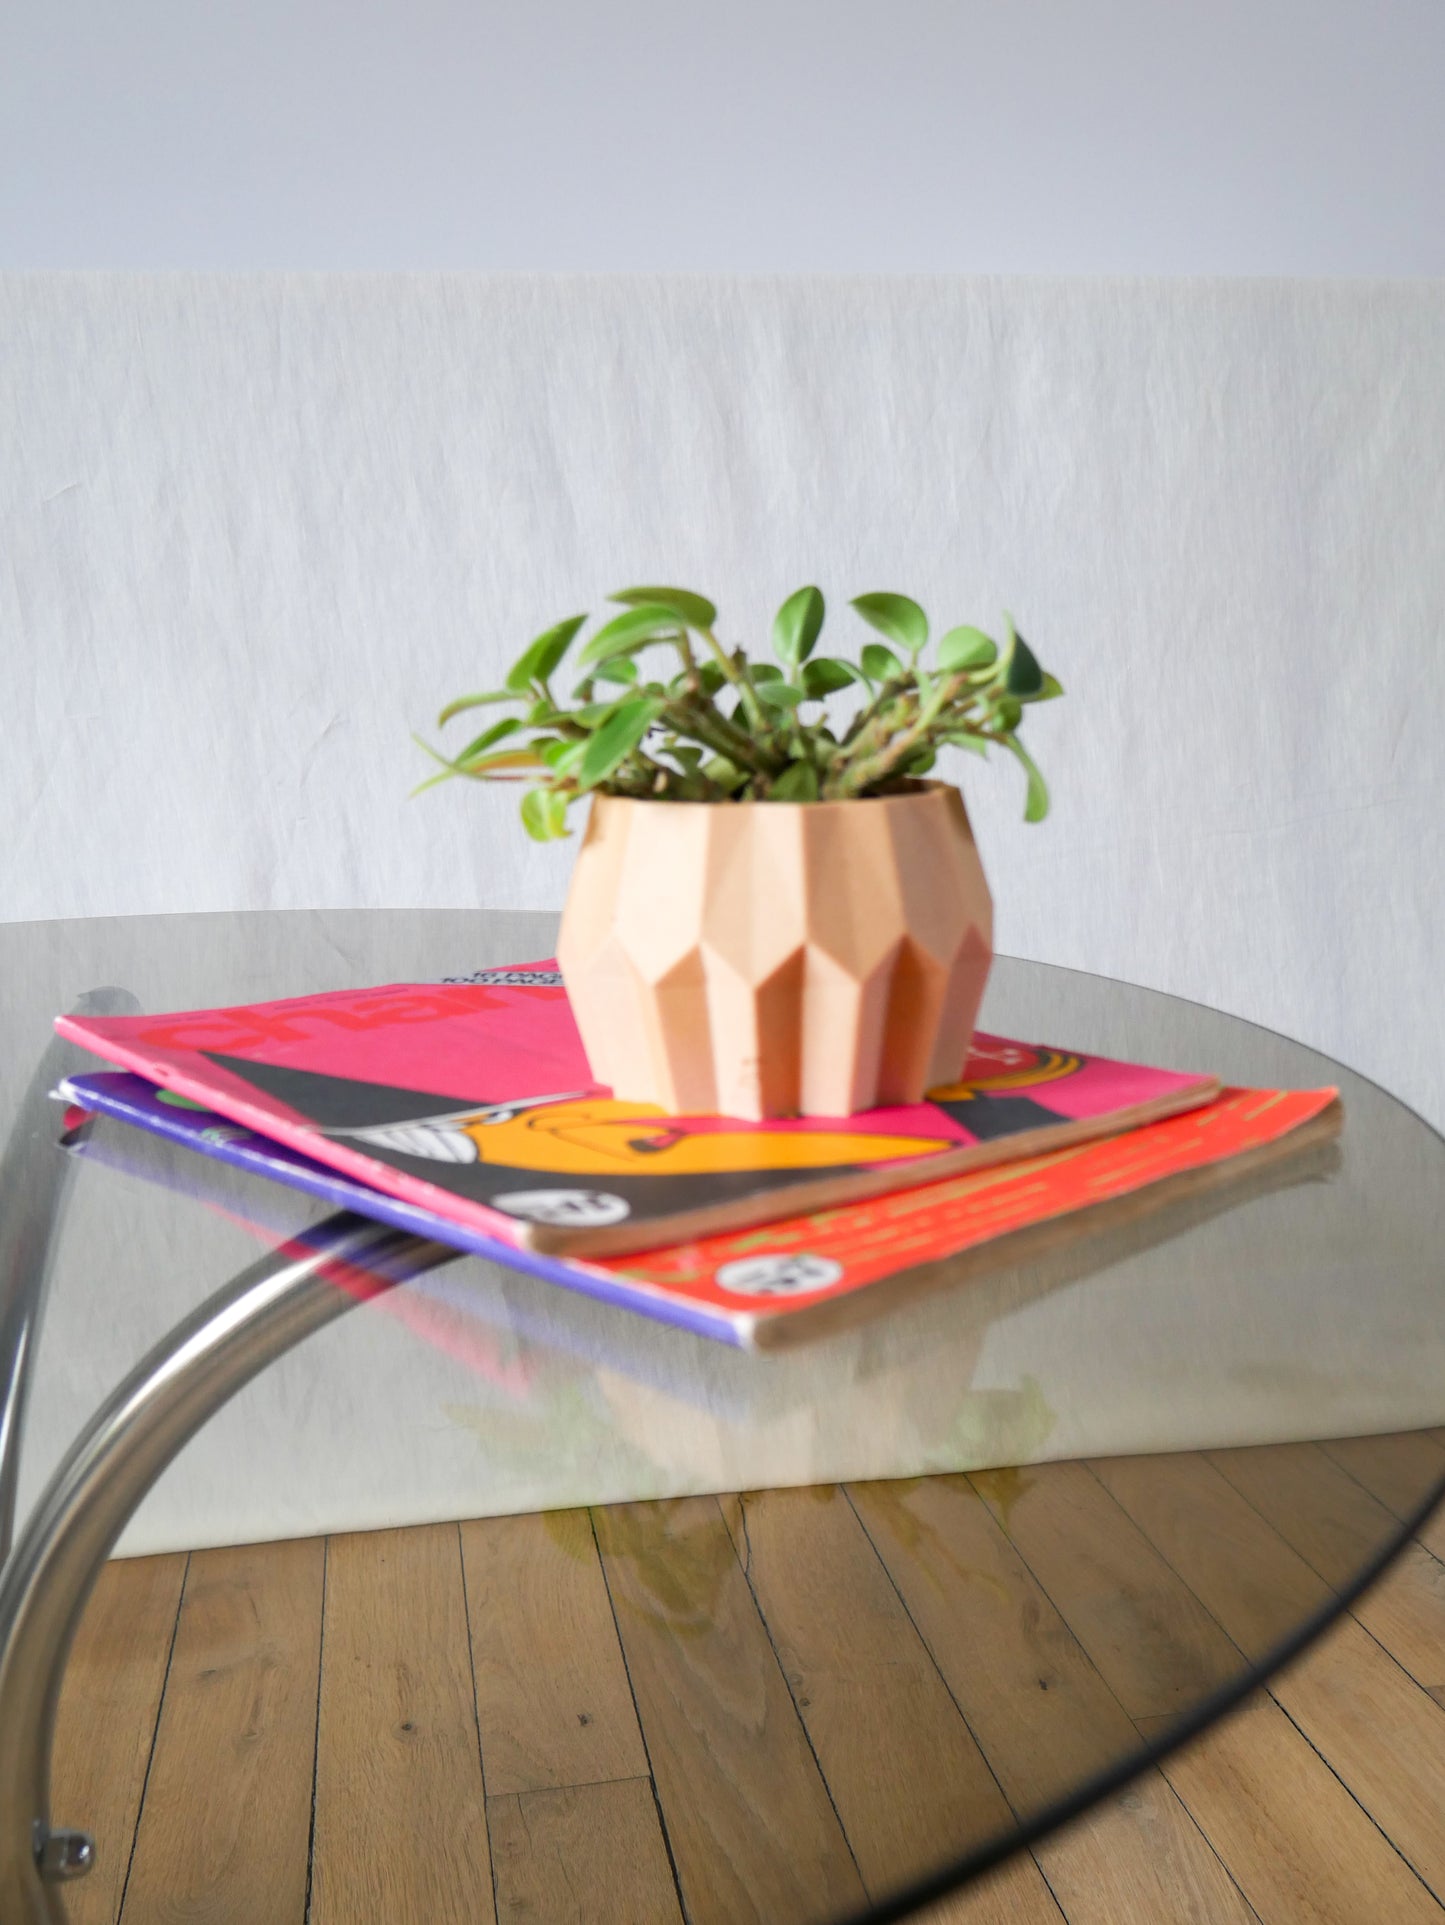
(715, 726)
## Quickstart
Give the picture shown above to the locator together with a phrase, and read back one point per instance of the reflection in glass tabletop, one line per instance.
(848, 1616)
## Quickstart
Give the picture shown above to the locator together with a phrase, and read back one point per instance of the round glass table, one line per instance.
(488, 1599)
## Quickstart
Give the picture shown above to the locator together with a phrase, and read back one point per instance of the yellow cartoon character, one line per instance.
(574, 1134)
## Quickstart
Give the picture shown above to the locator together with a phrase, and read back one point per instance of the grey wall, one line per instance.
(1051, 136)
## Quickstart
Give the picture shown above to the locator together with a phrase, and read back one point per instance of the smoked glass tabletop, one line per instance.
(840, 1618)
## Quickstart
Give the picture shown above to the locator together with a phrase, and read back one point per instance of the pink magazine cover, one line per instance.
(474, 1100)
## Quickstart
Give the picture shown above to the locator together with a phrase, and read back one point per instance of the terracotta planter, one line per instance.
(777, 958)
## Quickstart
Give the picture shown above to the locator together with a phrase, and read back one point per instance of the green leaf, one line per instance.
(1049, 688)
(727, 775)
(797, 783)
(1036, 805)
(1024, 676)
(507, 726)
(630, 630)
(825, 676)
(696, 610)
(778, 695)
(966, 648)
(797, 625)
(444, 775)
(1007, 714)
(686, 755)
(895, 616)
(474, 761)
(615, 740)
(544, 814)
(480, 767)
(760, 672)
(960, 739)
(448, 767)
(474, 702)
(618, 670)
(922, 762)
(539, 658)
(562, 757)
(881, 663)
(534, 815)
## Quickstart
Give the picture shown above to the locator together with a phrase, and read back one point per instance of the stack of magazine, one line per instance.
(466, 1112)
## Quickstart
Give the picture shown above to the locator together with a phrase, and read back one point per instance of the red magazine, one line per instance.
(474, 1101)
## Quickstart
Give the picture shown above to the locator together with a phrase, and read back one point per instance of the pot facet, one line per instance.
(763, 959)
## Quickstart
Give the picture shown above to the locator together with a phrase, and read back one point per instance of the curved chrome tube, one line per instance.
(260, 1314)
(33, 1181)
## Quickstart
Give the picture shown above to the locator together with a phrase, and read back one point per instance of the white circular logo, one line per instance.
(777, 1276)
(574, 1209)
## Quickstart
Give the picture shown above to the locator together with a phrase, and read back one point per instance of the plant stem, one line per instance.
(747, 694)
(880, 729)
(870, 709)
(703, 723)
(874, 765)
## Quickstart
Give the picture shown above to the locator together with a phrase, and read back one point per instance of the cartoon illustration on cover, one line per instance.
(531, 1157)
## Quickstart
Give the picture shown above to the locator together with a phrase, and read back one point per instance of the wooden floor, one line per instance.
(774, 1707)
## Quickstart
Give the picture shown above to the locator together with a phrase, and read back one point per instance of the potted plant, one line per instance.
(774, 911)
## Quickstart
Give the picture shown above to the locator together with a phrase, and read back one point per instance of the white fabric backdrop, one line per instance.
(256, 528)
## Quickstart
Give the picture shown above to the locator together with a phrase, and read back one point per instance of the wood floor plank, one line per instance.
(910, 1785)
(1405, 1611)
(552, 1692)
(107, 1719)
(589, 1855)
(1382, 1734)
(1236, 1563)
(1432, 1533)
(1041, 1712)
(400, 1822)
(1313, 1503)
(224, 1827)
(1338, 1527)
(1140, 1859)
(1300, 1847)
(1151, 1639)
(1016, 1894)
(1399, 1469)
(753, 1833)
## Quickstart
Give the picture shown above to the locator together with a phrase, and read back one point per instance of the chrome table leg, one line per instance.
(33, 1181)
(213, 1353)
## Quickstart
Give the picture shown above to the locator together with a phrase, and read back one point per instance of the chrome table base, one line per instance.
(48, 1576)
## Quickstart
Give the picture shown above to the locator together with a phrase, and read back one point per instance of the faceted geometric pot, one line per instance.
(761, 959)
